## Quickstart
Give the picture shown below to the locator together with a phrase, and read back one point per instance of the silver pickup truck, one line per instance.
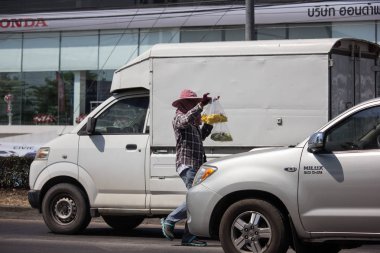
(319, 196)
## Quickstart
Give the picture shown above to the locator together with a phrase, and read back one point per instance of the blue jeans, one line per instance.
(180, 212)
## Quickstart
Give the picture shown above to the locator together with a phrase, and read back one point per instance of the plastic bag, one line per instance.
(220, 132)
(214, 115)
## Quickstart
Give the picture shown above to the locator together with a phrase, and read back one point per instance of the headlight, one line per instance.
(42, 154)
(203, 173)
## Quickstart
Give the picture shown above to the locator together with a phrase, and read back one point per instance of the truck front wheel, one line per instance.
(123, 223)
(65, 209)
(253, 225)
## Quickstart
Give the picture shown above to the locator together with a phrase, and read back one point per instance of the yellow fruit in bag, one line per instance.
(213, 118)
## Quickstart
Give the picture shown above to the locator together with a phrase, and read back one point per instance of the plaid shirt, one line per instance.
(188, 136)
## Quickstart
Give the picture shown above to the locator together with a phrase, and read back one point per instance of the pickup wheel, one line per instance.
(123, 223)
(65, 209)
(253, 225)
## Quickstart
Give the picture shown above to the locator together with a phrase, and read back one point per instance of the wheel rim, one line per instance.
(64, 209)
(251, 232)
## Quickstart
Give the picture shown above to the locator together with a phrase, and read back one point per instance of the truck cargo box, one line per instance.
(274, 92)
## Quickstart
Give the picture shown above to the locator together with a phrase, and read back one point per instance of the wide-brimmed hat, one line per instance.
(186, 95)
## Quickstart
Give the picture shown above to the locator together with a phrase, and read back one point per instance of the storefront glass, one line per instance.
(10, 51)
(275, 32)
(362, 30)
(149, 37)
(201, 35)
(10, 84)
(117, 48)
(40, 52)
(309, 31)
(47, 98)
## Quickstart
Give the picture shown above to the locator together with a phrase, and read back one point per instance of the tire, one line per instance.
(65, 209)
(255, 226)
(123, 223)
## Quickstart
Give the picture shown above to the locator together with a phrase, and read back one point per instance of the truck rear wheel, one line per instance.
(65, 209)
(123, 223)
(253, 225)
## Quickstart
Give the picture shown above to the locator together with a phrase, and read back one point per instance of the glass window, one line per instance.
(10, 83)
(149, 38)
(271, 33)
(193, 35)
(117, 48)
(79, 51)
(363, 30)
(359, 132)
(98, 85)
(10, 52)
(309, 31)
(47, 98)
(126, 116)
(41, 52)
(234, 34)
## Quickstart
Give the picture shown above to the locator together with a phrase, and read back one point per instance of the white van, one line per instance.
(120, 162)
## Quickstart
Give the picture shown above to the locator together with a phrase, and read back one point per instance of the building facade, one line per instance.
(57, 65)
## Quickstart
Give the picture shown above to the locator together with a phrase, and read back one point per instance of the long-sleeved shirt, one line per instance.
(190, 151)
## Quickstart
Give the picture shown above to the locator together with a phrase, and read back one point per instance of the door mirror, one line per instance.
(90, 127)
(316, 142)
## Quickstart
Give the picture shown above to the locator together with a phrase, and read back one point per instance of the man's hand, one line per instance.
(206, 99)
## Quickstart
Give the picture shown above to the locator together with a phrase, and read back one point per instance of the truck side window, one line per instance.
(360, 131)
(126, 116)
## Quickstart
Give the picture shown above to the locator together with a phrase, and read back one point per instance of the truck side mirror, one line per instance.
(316, 142)
(90, 127)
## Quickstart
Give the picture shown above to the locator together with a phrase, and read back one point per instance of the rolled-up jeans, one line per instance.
(180, 212)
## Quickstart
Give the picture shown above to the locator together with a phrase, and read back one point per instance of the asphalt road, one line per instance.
(29, 236)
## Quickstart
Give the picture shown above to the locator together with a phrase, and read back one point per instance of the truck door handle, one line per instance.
(131, 147)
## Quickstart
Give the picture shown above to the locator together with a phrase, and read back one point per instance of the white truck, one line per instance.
(119, 162)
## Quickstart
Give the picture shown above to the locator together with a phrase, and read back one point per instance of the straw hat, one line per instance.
(186, 95)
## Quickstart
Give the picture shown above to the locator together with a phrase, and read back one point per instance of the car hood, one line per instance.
(251, 153)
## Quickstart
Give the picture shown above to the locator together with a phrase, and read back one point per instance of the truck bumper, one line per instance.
(200, 202)
(34, 198)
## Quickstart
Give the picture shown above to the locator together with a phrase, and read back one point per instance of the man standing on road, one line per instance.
(190, 155)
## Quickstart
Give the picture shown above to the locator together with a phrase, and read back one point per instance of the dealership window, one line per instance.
(79, 50)
(98, 85)
(362, 30)
(201, 35)
(10, 52)
(10, 83)
(117, 48)
(234, 34)
(40, 52)
(47, 98)
(150, 37)
(309, 31)
(276, 32)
